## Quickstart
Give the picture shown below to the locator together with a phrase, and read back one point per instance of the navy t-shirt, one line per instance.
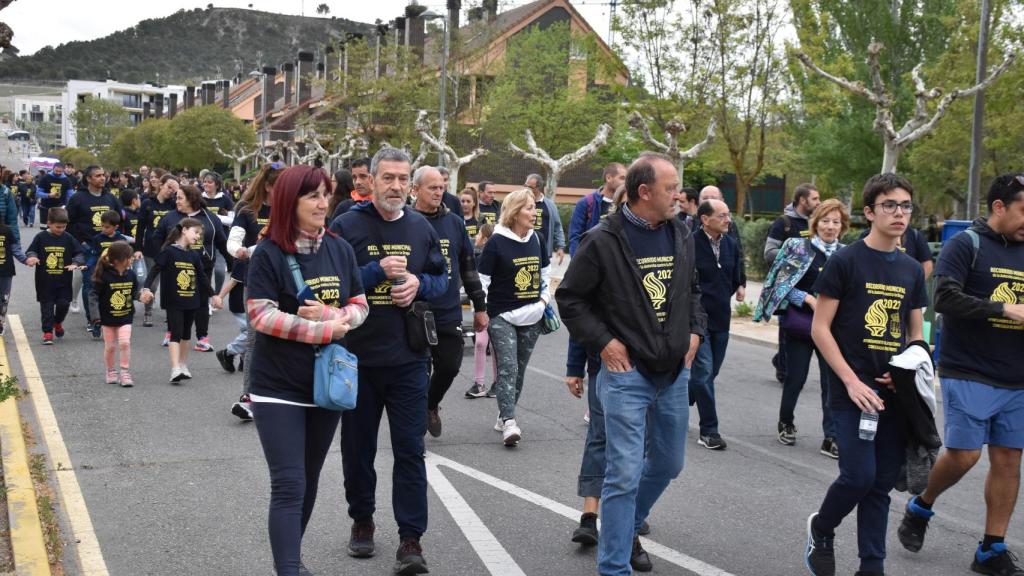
(130, 225)
(85, 212)
(56, 189)
(280, 368)
(472, 226)
(53, 282)
(655, 257)
(182, 278)
(7, 240)
(877, 291)
(152, 212)
(489, 213)
(514, 268)
(542, 225)
(985, 350)
(454, 243)
(116, 294)
(252, 222)
(381, 340)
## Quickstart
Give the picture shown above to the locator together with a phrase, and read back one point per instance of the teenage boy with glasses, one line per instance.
(869, 308)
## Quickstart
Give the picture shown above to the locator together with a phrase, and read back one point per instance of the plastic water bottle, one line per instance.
(868, 426)
(139, 267)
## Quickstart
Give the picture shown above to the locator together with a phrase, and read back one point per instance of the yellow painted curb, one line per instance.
(87, 546)
(26, 530)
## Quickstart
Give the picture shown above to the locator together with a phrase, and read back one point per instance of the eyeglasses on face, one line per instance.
(890, 206)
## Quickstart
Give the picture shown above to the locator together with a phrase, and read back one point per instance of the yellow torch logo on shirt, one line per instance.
(97, 219)
(655, 290)
(1004, 294)
(184, 280)
(52, 261)
(118, 300)
(523, 279)
(877, 319)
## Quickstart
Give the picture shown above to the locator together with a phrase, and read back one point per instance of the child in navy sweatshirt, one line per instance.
(60, 256)
(111, 301)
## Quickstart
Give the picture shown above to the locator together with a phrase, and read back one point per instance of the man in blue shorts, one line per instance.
(980, 293)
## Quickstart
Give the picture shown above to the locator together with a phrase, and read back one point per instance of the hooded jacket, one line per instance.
(602, 297)
(792, 224)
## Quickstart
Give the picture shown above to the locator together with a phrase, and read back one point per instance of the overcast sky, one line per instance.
(38, 23)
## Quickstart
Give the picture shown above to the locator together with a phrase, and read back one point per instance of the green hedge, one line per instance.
(754, 233)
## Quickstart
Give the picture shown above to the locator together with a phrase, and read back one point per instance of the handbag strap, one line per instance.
(300, 283)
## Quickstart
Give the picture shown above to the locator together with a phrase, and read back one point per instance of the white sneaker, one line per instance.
(176, 375)
(511, 433)
(499, 426)
(75, 307)
(185, 374)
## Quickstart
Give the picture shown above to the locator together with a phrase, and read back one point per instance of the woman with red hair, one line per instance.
(289, 321)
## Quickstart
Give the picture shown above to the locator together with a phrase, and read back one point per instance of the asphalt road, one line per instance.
(175, 485)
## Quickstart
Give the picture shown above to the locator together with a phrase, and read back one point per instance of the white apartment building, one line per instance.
(135, 98)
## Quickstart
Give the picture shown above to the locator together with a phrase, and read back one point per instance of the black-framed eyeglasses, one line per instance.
(890, 206)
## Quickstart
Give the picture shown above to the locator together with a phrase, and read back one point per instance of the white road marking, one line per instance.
(90, 557)
(673, 556)
(494, 556)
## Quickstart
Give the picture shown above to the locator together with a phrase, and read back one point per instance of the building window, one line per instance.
(131, 100)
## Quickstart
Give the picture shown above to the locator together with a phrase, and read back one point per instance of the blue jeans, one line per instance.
(636, 409)
(240, 345)
(706, 365)
(591, 478)
(403, 391)
(867, 473)
(28, 214)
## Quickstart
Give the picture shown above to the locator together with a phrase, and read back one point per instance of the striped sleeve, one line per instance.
(266, 317)
(354, 312)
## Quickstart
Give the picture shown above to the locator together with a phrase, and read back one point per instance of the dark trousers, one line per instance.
(403, 391)
(779, 360)
(591, 478)
(867, 473)
(203, 313)
(53, 313)
(28, 214)
(295, 443)
(798, 364)
(706, 365)
(445, 363)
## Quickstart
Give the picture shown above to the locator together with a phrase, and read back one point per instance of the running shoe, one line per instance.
(203, 345)
(787, 434)
(639, 559)
(360, 543)
(997, 561)
(75, 308)
(58, 330)
(820, 558)
(712, 442)
(914, 525)
(126, 379)
(476, 391)
(112, 377)
(184, 371)
(510, 433)
(409, 558)
(167, 339)
(176, 375)
(243, 408)
(830, 448)
(48, 338)
(227, 361)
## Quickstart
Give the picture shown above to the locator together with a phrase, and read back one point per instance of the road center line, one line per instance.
(87, 545)
(494, 556)
(673, 556)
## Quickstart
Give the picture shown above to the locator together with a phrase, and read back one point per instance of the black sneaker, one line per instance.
(492, 392)
(997, 561)
(645, 528)
(914, 525)
(243, 408)
(820, 558)
(712, 442)
(409, 558)
(830, 448)
(586, 532)
(360, 544)
(227, 360)
(787, 434)
(241, 363)
(434, 422)
(475, 391)
(639, 560)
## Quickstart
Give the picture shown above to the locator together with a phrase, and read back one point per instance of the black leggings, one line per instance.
(203, 313)
(295, 443)
(445, 363)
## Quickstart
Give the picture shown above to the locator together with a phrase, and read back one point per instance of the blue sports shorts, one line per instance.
(979, 414)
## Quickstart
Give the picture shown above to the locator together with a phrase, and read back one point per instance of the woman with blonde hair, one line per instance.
(787, 291)
(514, 269)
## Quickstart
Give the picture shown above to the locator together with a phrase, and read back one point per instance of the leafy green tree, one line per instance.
(189, 137)
(97, 122)
(77, 156)
(146, 144)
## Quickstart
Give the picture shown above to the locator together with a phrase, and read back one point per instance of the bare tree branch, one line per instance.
(452, 161)
(554, 168)
(857, 88)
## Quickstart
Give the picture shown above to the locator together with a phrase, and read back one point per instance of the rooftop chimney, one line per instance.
(173, 108)
(400, 31)
(267, 91)
(190, 97)
(145, 110)
(454, 8)
(209, 93)
(289, 81)
(158, 105)
(226, 93)
(304, 82)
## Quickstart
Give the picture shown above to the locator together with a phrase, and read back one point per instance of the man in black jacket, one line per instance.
(979, 291)
(631, 293)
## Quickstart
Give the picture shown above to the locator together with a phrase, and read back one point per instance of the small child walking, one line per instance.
(10, 250)
(60, 256)
(481, 341)
(111, 301)
(181, 275)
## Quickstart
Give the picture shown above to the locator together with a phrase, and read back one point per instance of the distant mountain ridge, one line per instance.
(188, 45)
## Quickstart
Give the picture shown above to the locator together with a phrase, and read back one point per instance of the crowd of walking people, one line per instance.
(383, 260)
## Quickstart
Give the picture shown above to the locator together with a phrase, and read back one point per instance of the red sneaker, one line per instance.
(48, 338)
(58, 330)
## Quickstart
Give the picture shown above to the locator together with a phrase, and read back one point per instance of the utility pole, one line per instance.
(613, 4)
(974, 173)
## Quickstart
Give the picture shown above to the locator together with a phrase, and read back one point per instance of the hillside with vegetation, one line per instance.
(186, 46)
